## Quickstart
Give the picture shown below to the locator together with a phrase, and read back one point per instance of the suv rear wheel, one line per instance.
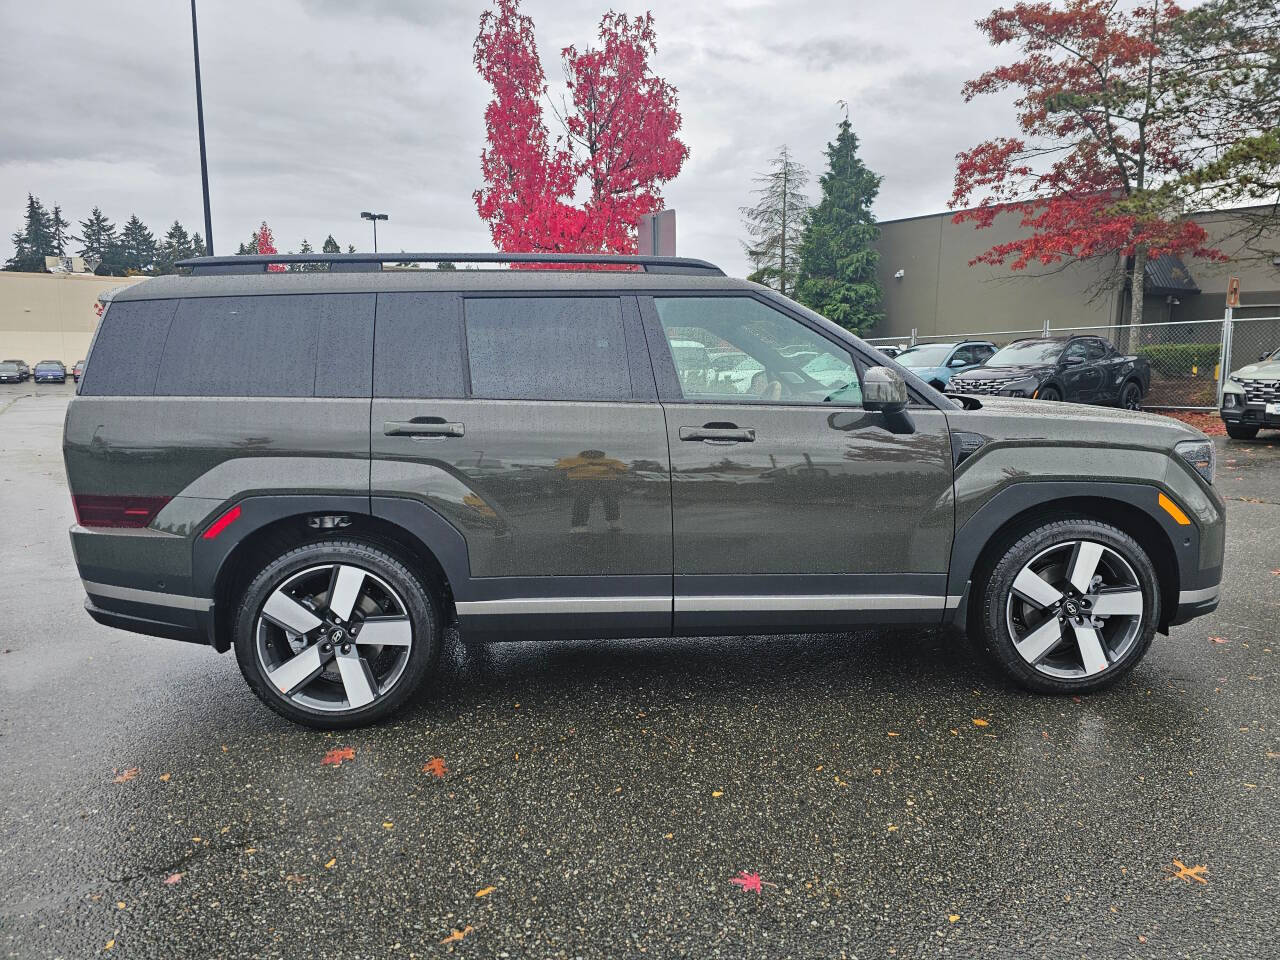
(336, 634)
(1070, 607)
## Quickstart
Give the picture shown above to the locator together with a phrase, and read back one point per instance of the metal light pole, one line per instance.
(366, 215)
(204, 163)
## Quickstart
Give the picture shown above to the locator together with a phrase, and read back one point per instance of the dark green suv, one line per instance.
(324, 468)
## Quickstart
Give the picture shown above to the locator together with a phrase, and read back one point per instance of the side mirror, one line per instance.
(1265, 355)
(957, 362)
(884, 390)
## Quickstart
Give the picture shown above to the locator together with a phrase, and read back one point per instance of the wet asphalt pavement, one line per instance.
(896, 796)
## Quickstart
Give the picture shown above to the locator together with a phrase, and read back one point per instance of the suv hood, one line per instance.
(1012, 418)
(1267, 370)
(1003, 373)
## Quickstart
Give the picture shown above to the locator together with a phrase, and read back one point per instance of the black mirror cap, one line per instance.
(883, 389)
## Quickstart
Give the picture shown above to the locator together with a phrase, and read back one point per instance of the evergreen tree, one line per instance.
(97, 237)
(306, 247)
(137, 246)
(176, 245)
(775, 223)
(34, 241)
(250, 248)
(58, 225)
(838, 259)
(198, 249)
(330, 245)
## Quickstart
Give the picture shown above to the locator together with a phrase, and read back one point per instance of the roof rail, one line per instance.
(361, 262)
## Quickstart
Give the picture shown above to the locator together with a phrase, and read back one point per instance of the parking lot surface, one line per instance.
(895, 796)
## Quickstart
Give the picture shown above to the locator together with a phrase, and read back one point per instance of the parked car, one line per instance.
(77, 371)
(891, 351)
(937, 363)
(1251, 398)
(528, 453)
(10, 372)
(1075, 369)
(51, 371)
(23, 369)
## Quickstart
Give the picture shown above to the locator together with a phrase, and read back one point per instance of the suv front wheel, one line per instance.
(1071, 606)
(336, 634)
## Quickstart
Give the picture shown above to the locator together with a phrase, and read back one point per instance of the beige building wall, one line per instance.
(940, 294)
(50, 316)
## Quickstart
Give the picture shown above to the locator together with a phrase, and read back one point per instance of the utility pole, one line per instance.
(204, 163)
(374, 217)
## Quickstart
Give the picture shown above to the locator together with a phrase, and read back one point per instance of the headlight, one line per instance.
(1200, 454)
(1228, 400)
(1233, 378)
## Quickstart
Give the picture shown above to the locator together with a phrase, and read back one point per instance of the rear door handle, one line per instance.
(718, 434)
(421, 428)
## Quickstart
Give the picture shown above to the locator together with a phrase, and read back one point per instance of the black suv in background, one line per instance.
(322, 469)
(1075, 369)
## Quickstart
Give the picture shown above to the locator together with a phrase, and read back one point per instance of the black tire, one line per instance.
(408, 590)
(1131, 395)
(997, 599)
(1241, 431)
(1049, 393)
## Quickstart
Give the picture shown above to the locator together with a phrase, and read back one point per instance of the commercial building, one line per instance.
(50, 316)
(930, 287)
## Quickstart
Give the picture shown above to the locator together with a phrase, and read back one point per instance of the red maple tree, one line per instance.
(1106, 116)
(618, 145)
(264, 242)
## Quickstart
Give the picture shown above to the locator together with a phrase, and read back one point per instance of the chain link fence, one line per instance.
(1185, 357)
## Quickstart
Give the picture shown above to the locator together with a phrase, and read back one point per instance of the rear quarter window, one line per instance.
(287, 345)
(127, 348)
(419, 346)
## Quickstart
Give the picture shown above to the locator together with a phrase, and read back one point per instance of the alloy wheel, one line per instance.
(1132, 398)
(1075, 610)
(333, 637)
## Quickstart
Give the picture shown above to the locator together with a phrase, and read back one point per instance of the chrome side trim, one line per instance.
(1199, 596)
(840, 601)
(551, 605)
(706, 604)
(147, 596)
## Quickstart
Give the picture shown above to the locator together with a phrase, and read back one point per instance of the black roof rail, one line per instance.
(361, 262)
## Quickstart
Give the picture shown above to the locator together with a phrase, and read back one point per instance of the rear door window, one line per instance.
(419, 346)
(547, 348)
(291, 345)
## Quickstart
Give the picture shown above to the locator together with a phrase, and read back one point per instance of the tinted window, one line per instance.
(1076, 351)
(1097, 349)
(127, 348)
(547, 348)
(419, 346)
(1027, 353)
(271, 346)
(738, 350)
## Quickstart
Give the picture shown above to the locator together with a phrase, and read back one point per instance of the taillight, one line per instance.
(98, 510)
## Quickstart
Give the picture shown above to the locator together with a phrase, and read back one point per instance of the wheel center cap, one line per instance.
(1071, 608)
(337, 636)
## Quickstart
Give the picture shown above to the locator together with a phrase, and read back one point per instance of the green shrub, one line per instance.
(1177, 359)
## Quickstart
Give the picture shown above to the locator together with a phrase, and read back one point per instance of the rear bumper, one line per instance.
(187, 632)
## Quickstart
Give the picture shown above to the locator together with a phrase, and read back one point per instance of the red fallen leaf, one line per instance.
(435, 766)
(126, 776)
(173, 878)
(335, 757)
(1219, 640)
(750, 881)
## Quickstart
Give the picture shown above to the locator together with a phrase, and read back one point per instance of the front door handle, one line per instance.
(433, 427)
(718, 433)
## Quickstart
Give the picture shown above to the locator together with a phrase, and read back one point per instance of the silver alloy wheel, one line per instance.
(334, 637)
(1075, 609)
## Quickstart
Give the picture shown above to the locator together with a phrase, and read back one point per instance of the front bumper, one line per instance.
(1252, 414)
(1196, 603)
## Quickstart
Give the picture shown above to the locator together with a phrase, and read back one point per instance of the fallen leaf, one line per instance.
(892, 734)
(1180, 869)
(173, 878)
(717, 793)
(119, 904)
(892, 828)
(979, 722)
(110, 943)
(484, 892)
(953, 917)
(164, 777)
(435, 766)
(1219, 640)
(750, 881)
(387, 824)
(295, 878)
(126, 776)
(331, 864)
(456, 935)
(335, 756)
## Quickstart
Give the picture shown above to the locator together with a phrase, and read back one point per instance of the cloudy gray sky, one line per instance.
(317, 110)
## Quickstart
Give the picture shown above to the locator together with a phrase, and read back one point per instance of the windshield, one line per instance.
(926, 355)
(1027, 353)
(8, 368)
